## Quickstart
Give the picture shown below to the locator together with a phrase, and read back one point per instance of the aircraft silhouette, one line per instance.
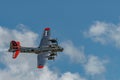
(47, 49)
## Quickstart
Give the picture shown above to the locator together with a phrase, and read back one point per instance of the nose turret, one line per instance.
(60, 49)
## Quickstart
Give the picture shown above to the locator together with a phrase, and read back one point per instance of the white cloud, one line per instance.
(95, 65)
(74, 53)
(99, 30)
(92, 64)
(104, 33)
(69, 76)
(33, 74)
(26, 37)
(24, 67)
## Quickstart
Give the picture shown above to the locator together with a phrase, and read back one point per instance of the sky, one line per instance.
(89, 31)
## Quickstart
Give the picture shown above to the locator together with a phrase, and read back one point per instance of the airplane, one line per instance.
(47, 49)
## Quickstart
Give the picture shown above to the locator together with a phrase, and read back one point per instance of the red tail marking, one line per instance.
(40, 67)
(15, 45)
(16, 54)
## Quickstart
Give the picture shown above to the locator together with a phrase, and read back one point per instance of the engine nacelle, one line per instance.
(53, 40)
(51, 58)
(53, 54)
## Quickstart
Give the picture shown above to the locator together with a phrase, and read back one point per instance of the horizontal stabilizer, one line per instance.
(16, 54)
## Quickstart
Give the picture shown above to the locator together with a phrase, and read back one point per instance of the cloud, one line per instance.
(104, 33)
(95, 65)
(43, 74)
(69, 76)
(26, 37)
(92, 65)
(76, 55)
(24, 67)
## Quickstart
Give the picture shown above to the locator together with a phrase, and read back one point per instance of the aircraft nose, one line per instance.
(61, 49)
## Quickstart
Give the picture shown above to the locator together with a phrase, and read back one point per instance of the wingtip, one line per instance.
(47, 29)
(40, 67)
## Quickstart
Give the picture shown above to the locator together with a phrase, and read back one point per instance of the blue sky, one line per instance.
(91, 26)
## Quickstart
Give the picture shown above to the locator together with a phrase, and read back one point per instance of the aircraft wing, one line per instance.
(41, 59)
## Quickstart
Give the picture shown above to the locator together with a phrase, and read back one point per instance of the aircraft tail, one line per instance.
(15, 48)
